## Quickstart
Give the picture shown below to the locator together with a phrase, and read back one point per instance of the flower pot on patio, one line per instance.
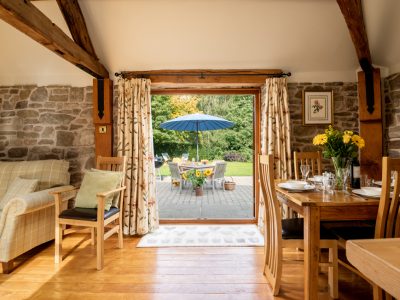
(199, 191)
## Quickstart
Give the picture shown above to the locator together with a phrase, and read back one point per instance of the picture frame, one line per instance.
(317, 108)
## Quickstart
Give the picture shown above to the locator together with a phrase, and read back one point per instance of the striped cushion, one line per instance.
(18, 187)
(50, 173)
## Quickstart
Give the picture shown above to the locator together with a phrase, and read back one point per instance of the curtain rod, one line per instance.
(198, 74)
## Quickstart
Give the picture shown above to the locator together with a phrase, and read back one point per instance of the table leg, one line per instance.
(311, 251)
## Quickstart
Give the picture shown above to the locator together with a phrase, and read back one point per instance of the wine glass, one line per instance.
(304, 169)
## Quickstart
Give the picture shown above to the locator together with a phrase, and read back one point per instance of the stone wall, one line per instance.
(345, 111)
(392, 115)
(48, 122)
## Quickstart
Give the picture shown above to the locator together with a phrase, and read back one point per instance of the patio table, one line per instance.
(317, 207)
(185, 167)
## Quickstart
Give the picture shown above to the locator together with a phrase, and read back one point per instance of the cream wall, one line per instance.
(307, 37)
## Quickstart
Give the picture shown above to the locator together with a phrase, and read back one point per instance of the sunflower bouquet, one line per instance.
(197, 177)
(336, 143)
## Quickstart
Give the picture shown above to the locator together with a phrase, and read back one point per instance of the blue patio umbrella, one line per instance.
(197, 122)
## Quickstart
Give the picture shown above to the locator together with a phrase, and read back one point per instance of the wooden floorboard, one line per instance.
(159, 273)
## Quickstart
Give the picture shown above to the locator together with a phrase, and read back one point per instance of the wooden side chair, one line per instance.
(314, 159)
(107, 209)
(387, 222)
(287, 233)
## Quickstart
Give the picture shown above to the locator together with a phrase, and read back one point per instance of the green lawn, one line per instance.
(232, 169)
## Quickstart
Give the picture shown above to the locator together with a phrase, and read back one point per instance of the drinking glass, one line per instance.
(304, 169)
(346, 174)
(365, 180)
(329, 182)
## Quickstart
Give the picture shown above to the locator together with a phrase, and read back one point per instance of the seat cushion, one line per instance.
(293, 229)
(87, 214)
(354, 233)
(97, 182)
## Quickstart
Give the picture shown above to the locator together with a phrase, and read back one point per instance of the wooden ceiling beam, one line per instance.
(76, 23)
(25, 17)
(353, 15)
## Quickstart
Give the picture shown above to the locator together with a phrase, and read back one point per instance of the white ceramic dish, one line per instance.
(296, 186)
(380, 183)
(317, 178)
(368, 192)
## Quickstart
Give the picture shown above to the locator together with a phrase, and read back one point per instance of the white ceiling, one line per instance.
(306, 37)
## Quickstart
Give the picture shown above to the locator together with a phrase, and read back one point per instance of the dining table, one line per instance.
(316, 207)
(378, 260)
(196, 166)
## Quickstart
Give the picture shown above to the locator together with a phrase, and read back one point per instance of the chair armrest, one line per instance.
(31, 202)
(105, 194)
(64, 193)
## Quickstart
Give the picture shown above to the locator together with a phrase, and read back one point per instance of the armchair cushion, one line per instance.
(88, 214)
(18, 187)
(116, 195)
(97, 182)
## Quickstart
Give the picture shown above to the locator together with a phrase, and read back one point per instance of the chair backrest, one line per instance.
(272, 222)
(165, 156)
(174, 170)
(388, 219)
(313, 159)
(220, 169)
(185, 157)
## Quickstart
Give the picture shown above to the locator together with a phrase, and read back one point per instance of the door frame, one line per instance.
(256, 92)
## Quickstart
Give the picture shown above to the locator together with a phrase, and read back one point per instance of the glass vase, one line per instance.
(342, 171)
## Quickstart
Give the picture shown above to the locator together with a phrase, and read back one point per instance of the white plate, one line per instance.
(288, 186)
(380, 183)
(368, 192)
(316, 178)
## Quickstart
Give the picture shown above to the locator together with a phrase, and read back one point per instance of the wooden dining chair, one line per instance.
(97, 219)
(313, 159)
(287, 233)
(387, 222)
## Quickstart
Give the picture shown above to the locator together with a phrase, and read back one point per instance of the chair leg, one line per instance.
(333, 273)
(58, 243)
(100, 247)
(120, 233)
(93, 236)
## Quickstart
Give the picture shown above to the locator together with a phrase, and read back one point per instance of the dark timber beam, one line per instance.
(369, 90)
(353, 15)
(28, 19)
(76, 23)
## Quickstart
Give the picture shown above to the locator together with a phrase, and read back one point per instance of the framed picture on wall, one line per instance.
(317, 108)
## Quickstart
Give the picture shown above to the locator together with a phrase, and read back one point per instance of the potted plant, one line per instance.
(341, 147)
(197, 178)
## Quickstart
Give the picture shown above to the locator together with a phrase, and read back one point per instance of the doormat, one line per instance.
(203, 236)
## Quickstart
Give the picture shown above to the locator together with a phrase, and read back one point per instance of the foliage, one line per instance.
(336, 143)
(235, 156)
(212, 144)
(232, 169)
(197, 177)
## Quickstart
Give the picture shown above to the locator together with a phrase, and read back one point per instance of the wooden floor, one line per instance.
(158, 273)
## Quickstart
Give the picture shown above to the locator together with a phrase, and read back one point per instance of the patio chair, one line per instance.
(219, 174)
(185, 157)
(166, 157)
(158, 163)
(176, 174)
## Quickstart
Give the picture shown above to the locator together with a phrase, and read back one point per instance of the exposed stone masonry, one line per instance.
(392, 115)
(53, 122)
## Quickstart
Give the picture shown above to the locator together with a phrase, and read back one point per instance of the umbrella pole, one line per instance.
(197, 143)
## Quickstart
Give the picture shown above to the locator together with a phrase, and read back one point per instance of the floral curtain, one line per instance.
(275, 131)
(135, 140)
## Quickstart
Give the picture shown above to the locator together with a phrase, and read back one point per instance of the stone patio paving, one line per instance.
(221, 204)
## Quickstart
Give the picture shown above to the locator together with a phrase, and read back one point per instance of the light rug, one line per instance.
(203, 236)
